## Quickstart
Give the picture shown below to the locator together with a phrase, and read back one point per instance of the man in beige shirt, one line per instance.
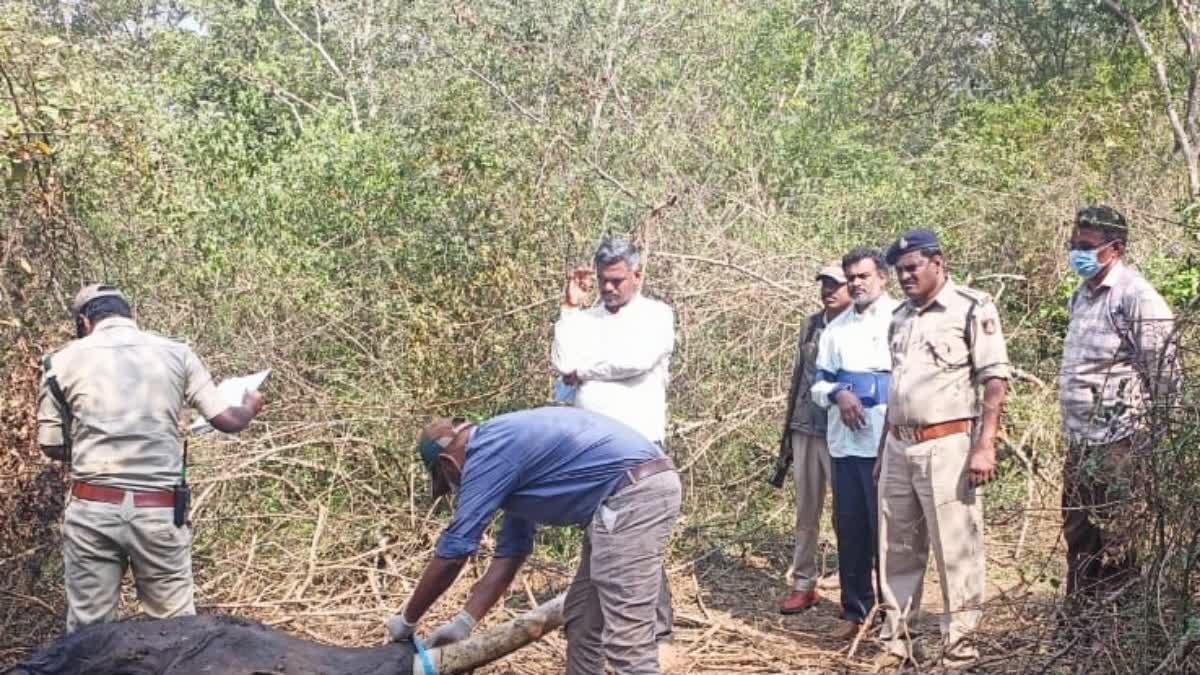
(938, 446)
(109, 406)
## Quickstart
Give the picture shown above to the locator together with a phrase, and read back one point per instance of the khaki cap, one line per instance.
(93, 291)
(834, 272)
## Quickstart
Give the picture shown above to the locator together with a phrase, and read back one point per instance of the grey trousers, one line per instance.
(613, 601)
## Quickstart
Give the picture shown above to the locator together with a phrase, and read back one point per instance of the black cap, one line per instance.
(913, 240)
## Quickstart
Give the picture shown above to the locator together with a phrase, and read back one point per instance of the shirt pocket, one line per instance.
(948, 354)
(897, 348)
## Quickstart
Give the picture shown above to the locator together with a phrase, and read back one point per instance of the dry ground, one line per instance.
(725, 599)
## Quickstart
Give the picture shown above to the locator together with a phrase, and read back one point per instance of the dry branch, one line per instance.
(1186, 142)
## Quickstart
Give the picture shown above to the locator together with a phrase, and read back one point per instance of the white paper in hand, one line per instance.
(231, 391)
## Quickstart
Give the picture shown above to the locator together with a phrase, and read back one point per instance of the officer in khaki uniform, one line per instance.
(946, 344)
(120, 391)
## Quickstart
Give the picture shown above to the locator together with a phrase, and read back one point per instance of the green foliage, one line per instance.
(379, 200)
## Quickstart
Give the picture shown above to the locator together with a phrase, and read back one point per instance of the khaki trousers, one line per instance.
(100, 540)
(926, 500)
(611, 606)
(810, 466)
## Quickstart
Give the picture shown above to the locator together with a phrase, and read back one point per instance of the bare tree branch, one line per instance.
(733, 266)
(1185, 13)
(1164, 84)
(608, 76)
(333, 66)
(494, 86)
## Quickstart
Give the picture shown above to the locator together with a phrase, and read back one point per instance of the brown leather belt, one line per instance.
(929, 432)
(643, 471)
(112, 495)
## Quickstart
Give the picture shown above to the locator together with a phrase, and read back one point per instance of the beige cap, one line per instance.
(833, 271)
(93, 291)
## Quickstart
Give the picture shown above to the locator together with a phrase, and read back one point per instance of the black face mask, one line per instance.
(80, 329)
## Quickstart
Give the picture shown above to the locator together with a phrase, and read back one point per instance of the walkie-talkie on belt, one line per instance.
(183, 494)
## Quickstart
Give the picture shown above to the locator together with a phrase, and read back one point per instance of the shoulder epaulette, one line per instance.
(169, 338)
(976, 297)
(46, 358)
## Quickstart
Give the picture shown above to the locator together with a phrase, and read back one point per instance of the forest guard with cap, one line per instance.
(554, 466)
(109, 406)
(938, 447)
(802, 446)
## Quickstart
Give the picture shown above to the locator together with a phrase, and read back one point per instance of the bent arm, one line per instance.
(570, 335)
(439, 574)
(1154, 337)
(51, 434)
(233, 419)
(632, 353)
(495, 582)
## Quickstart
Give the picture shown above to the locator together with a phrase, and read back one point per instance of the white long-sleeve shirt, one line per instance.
(623, 360)
(855, 342)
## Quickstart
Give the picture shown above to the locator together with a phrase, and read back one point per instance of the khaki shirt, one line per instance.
(1117, 354)
(807, 416)
(125, 388)
(941, 355)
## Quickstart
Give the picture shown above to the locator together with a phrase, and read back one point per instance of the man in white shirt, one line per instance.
(853, 370)
(616, 354)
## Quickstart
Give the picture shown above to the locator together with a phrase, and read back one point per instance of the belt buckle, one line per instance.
(906, 433)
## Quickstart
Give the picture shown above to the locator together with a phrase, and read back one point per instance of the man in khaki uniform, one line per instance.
(938, 448)
(120, 391)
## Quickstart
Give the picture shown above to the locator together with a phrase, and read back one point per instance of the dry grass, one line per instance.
(331, 563)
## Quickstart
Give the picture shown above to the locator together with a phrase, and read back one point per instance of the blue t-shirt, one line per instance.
(548, 466)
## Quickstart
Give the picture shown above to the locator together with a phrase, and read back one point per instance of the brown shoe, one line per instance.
(846, 630)
(799, 601)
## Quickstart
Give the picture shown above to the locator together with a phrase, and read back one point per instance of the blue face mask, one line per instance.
(1087, 263)
(1084, 263)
